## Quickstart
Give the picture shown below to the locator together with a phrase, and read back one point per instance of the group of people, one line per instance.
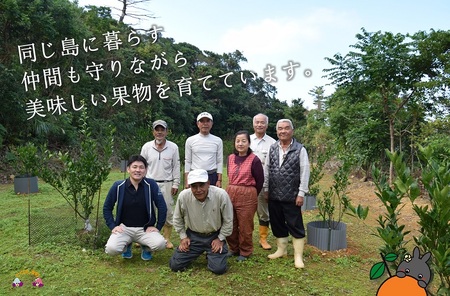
(265, 176)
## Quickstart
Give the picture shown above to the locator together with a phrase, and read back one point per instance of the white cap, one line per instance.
(204, 114)
(197, 176)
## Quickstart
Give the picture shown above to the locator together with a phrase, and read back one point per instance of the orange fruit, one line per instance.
(395, 286)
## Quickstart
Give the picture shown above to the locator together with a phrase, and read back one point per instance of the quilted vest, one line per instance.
(284, 180)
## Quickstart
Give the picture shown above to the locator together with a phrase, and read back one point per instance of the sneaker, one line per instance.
(146, 254)
(128, 254)
(241, 258)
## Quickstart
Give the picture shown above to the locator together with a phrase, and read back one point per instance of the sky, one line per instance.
(278, 32)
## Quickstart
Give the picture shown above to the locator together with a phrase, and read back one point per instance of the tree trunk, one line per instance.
(391, 135)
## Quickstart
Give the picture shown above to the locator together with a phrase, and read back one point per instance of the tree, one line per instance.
(78, 176)
(297, 113)
(379, 72)
(233, 107)
(319, 98)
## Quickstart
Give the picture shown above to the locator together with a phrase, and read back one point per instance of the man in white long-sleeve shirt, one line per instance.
(163, 160)
(204, 151)
(260, 145)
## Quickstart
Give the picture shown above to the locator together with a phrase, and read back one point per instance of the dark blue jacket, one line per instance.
(154, 198)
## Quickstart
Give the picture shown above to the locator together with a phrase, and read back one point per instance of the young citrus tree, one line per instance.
(78, 175)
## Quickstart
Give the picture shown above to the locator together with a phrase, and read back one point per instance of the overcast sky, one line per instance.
(276, 32)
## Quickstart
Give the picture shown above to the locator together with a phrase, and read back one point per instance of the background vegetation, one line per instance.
(392, 91)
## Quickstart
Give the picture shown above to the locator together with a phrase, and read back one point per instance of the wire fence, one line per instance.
(59, 224)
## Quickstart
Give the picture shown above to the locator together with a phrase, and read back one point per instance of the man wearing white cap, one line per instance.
(203, 218)
(204, 151)
(163, 160)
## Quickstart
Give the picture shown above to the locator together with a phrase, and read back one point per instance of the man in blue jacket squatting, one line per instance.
(136, 198)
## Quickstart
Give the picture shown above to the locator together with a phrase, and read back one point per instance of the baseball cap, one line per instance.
(161, 123)
(197, 176)
(204, 114)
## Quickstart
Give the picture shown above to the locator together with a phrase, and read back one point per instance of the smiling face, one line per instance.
(241, 144)
(260, 125)
(285, 132)
(137, 171)
(204, 125)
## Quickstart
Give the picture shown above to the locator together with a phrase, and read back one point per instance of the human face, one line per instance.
(260, 125)
(204, 125)
(284, 132)
(241, 144)
(200, 190)
(137, 171)
(160, 134)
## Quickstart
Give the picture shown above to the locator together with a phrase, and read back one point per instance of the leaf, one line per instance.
(377, 270)
(391, 257)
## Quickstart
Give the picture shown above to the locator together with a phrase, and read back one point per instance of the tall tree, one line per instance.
(379, 71)
(318, 94)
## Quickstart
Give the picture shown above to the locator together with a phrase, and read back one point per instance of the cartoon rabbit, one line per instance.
(416, 267)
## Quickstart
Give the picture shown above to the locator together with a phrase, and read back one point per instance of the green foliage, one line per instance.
(316, 173)
(434, 220)
(78, 176)
(389, 230)
(378, 269)
(335, 201)
(385, 85)
(27, 159)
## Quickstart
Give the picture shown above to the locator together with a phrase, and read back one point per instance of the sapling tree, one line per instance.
(336, 203)
(434, 219)
(389, 229)
(317, 173)
(78, 175)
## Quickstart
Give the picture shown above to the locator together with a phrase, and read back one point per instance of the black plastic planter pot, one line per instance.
(309, 203)
(25, 185)
(123, 165)
(327, 239)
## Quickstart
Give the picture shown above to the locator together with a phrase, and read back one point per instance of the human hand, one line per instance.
(151, 229)
(174, 191)
(117, 229)
(217, 246)
(266, 196)
(299, 201)
(184, 245)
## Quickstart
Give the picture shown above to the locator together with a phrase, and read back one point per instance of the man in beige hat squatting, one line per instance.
(204, 151)
(163, 161)
(203, 218)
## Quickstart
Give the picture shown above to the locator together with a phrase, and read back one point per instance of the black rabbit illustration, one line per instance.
(416, 267)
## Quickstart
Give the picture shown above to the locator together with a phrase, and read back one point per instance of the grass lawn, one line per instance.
(68, 267)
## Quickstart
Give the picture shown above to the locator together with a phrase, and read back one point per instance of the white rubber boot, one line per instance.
(282, 243)
(299, 244)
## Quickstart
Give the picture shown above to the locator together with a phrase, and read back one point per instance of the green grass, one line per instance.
(70, 267)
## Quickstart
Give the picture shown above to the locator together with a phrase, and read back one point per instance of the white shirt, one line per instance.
(261, 146)
(163, 165)
(203, 152)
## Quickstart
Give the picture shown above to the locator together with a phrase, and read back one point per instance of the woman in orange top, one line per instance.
(245, 181)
